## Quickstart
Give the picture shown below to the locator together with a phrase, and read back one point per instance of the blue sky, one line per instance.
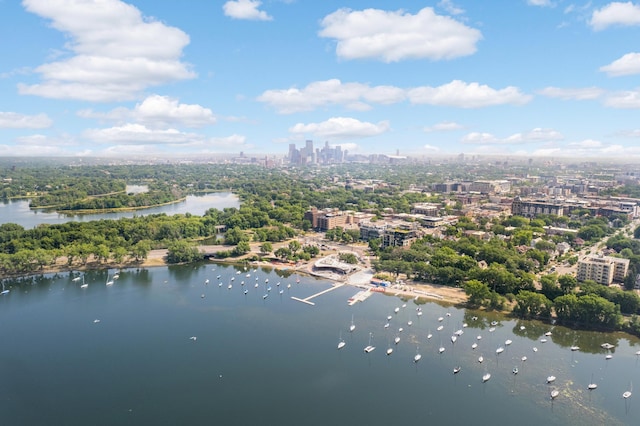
(539, 78)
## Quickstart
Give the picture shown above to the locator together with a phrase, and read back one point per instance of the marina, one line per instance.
(80, 347)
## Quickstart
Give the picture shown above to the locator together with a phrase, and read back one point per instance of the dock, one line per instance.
(307, 300)
(360, 296)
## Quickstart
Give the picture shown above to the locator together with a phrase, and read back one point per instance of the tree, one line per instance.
(568, 283)
(243, 247)
(266, 248)
(530, 304)
(294, 246)
(181, 251)
(477, 291)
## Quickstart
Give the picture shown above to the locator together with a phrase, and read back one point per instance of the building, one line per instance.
(396, 234)
(533, 208)
(323, 220)
(603, 269)
(427, 209)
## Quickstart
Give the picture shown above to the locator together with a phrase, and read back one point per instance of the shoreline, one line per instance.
(358, 279)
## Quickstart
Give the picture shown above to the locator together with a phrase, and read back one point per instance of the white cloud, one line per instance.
(540, 3)
(342, 127)
(586, 144)
(116, 52)
(245, 9)
(629, 99)
(579, 94)
(615, 13)
(158, 111)
(137, 134)
(450, 8)
(628, 64)
(537, 135)
(13, 120)
(431, 148)
(355, 96)
(445, 126)
(359, 96)
(394, 36)
(467, 95)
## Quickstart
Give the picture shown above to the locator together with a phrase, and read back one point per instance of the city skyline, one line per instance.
(112, 78)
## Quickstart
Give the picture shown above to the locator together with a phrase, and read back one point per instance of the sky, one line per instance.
(131, 78)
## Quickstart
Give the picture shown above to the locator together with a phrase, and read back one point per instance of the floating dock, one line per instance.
(307, 299)
(360, 296)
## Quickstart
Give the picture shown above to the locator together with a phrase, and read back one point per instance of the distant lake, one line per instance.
(124, 354)
(18, 211)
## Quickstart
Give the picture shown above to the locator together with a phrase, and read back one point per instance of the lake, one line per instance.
(18, 211)
(161, 346)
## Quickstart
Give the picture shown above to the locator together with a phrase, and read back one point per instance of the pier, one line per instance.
(360, 296)
(307, 300)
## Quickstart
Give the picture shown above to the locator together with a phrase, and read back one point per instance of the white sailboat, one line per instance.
(627, 394)
(83, 285)
(4, 291)
(554, 393)
(352, 326)
(592, 385)
(486, 377)
(369, 348)
(417, 357)
(551, 379)
(341, 342)
(108, 282)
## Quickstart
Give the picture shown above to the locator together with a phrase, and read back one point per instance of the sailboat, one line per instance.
(592, 385)
(341, 342)
(417, 356)
(551, 379)
(627, 394)
(83, 285)
(109, 282)
(369, 348)
(486, 377)
(554, 393)
(3, 290)
(352, 326)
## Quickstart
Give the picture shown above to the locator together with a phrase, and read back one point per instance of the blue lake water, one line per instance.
(18, 211)
(275, 361)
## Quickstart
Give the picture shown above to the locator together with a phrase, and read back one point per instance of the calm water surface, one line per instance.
(275, 361)
(18, 211)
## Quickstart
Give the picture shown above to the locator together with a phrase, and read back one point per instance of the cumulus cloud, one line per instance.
(116, 52)
(431, 148)
(137, 134)
(341, 127)
(615, 13)
(158, 111)
(245, 9)
(579, 94)
(14, 120)
(467, 95)
(392, 36)
(357, 96)
(537, 135)
(628, 64)
(445, 126)
(629, 99)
